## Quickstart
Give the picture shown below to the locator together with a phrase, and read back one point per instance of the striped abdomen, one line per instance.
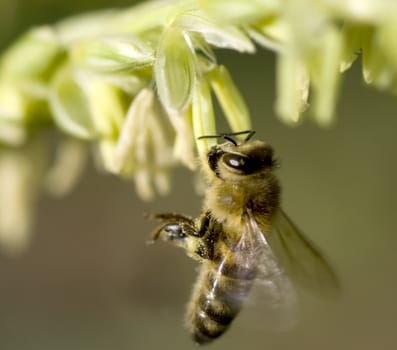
(217, 298)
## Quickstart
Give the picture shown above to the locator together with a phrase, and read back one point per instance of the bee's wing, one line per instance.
(273, 294)
(301, 260)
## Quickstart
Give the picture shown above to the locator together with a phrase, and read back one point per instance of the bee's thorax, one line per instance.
(228, 200)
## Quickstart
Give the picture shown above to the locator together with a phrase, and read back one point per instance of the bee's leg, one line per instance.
(207, 235)
(182, 232)
(205, 221)
(169, 217)
(176, 229)
(175, 232)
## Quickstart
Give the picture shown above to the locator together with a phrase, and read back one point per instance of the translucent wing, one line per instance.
(273, 294)
(301, 260)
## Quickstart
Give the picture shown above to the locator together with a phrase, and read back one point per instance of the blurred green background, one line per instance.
(89, 281)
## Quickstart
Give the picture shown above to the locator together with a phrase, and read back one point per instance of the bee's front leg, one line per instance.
(175, 229)
(181, 231)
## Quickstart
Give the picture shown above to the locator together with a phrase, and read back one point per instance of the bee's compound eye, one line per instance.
(237, 162)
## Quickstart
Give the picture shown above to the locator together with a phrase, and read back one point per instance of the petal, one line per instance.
(376, 68)
(224, 36)
(23, 104)
(183, 146)
(387, 33)
(21, 173)
(33, 56)
(106, 104)
(69, 105)
(12, 134)
(162, 181)
(161, 138)
(205, 56)
(71, 156)
(132, 128)
(129, 83)
(114, 54)
(369, 11)
(240, 12)
(105, 154)
(230, 99)
(174, 70)
(203, 117)
(143, 184)
(263, 40)
(352, 37)
(292, 88)
(14, 103)
(326, 76)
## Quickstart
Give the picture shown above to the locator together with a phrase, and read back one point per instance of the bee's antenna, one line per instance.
(249, 136)
(228, 136)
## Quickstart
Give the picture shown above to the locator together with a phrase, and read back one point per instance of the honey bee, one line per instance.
(242, 237)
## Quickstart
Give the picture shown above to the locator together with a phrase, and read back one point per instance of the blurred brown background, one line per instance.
(89, 281)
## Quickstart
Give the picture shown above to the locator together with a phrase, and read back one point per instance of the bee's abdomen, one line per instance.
(217, 298)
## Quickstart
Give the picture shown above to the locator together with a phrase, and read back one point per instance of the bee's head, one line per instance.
(240, 159)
